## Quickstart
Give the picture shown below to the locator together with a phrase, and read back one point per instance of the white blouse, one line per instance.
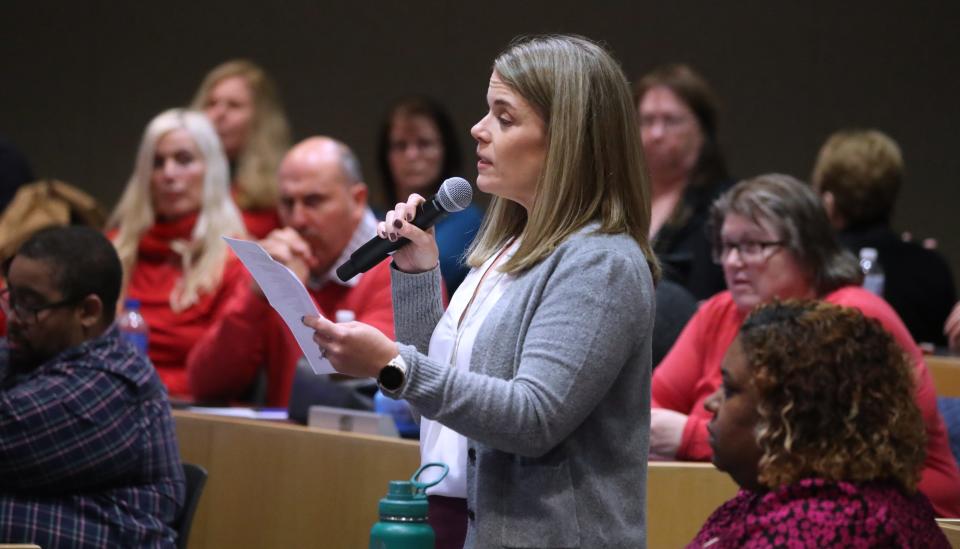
(454, 345)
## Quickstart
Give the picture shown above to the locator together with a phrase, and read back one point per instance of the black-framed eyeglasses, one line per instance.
(29, 314)
(750, 251)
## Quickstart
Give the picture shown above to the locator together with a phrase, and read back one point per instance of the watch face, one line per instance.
(391, 378)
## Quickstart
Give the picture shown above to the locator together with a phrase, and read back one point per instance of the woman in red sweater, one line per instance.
(167, 229)
(773, 240)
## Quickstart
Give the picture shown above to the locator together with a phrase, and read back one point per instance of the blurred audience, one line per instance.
(858, 174)
(323, 207)
(677, 113)
(167, 228)
(418, 149)
(88, 453)
(243, 103)
(774, 241)
(815, 420)
(46, 203)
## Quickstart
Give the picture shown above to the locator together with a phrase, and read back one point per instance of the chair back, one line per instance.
(196, 477)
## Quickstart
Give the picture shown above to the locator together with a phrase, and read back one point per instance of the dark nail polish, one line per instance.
(397, 223)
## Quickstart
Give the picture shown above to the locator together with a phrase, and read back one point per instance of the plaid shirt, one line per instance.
(88, 454)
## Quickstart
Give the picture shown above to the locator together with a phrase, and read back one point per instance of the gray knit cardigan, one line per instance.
(556, 402)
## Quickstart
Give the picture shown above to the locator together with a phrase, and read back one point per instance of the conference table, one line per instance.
(278, 484)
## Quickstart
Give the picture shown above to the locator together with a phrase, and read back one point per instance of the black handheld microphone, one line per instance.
(454, 195)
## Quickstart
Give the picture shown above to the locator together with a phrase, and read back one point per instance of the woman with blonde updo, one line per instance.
(242, 102)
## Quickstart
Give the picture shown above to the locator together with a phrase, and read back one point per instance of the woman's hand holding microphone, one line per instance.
(421, 254)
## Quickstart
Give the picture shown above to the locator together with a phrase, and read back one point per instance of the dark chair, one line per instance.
(309, 389)
(196, 477)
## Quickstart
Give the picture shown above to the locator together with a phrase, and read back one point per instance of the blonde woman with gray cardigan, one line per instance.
(534, 384)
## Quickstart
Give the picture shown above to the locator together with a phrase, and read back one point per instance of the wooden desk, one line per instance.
(951, 529)
(680, 497)
(281, 485)
(945, 371)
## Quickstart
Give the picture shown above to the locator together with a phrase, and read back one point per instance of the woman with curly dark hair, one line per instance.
(816, 421)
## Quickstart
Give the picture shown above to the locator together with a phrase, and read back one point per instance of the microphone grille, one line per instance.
(455, 194)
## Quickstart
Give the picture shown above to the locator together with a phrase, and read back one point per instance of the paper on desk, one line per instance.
(286, 295)
(273, 414)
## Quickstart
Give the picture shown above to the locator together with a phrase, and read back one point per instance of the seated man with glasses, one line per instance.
(773, 240)
(88, 454)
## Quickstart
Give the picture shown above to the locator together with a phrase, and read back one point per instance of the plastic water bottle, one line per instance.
(873, 277)
(403, 514)
(400, 411)
(133, 327)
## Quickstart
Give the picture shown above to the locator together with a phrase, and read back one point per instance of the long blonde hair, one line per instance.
(205, 255)
(594, 168)
(267, 140)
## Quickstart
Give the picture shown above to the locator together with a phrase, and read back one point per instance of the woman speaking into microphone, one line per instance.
(534, 383)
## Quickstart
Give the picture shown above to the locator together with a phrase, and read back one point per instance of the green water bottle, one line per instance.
(403, 514)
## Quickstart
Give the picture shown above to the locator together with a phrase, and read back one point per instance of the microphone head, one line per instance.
(455, 194)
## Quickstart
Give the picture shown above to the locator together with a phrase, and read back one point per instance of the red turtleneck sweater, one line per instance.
(173, 334)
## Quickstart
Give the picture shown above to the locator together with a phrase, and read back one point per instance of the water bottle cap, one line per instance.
(408, 498)
(403, 501)
(131, 304)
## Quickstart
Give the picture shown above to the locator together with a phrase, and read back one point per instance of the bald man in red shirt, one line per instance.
(323, 208)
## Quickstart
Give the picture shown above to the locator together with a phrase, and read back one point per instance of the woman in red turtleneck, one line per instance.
(167, 229)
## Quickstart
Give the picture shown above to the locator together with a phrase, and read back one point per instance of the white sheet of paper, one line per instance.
(286, 295)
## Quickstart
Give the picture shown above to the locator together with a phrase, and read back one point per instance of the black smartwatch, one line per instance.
(393, 375)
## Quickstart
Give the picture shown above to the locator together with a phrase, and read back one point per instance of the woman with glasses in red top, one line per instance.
(772, 238)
